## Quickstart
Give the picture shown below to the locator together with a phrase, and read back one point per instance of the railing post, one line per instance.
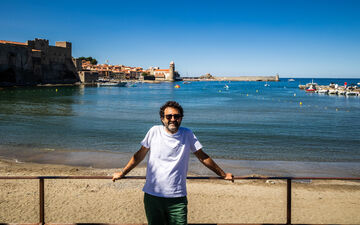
(288, 215)
(42, 202)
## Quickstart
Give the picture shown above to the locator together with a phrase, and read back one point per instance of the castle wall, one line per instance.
(88, 76)
(36, 63)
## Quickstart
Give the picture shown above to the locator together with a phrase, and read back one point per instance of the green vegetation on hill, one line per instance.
(91, 59)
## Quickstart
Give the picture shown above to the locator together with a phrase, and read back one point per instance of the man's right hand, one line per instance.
(229, 176)
(117, 176)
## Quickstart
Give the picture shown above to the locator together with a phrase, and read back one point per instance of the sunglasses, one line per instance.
(176, 116)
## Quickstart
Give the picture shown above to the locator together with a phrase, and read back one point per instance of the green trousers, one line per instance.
(165, 211)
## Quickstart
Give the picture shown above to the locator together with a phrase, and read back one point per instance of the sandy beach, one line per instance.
(244, 201)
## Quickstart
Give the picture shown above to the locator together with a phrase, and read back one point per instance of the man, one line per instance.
(169, 148)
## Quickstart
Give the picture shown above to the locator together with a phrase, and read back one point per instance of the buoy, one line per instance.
(247, 94)
(177, 86)
(337, 109)
(294, 94)
(56, 89)
(257, 91)
(300, 103)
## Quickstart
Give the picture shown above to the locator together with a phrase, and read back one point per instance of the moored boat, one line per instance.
(333, 92)
(112, 84)
(322, 91)
(312, 88)
(351, 93)
(341, 92)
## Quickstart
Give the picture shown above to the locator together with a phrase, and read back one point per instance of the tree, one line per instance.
(91, 59)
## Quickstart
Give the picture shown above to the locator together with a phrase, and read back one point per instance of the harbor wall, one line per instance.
(249, 78)
(241, 78)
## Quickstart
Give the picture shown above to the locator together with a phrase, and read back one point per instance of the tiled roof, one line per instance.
(12, 42)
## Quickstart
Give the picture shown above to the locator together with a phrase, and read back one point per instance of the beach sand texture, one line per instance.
(218, 201)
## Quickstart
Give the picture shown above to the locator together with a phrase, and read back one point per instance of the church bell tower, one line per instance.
(172, 71)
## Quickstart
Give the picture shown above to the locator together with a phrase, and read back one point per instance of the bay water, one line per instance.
(245, 126)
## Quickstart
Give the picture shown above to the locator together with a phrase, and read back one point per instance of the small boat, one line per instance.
(333, 92)
(312, 88)
(226, 87)
(341, 92)
(112, 84)
(266, 84)
(322, 91)
(131, 84)
(291, 80)
(351, 93)
(186, 82)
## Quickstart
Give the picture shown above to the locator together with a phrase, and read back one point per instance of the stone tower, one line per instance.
(172, 71)
(277, 77)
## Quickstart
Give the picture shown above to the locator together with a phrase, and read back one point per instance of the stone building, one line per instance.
(36, 62)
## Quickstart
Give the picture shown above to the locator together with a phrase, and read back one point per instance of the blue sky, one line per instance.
(294, 38)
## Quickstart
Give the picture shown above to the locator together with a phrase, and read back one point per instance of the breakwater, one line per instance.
(249, 78)
(238, 78)
(332, 89)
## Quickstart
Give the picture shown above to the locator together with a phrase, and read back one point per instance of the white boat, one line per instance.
(131, 84)
(322, 91)
(341, 92)
(312, 88)
(112, 84)
(333, 92)
(351, 93)
(291, 80)
(266, 84)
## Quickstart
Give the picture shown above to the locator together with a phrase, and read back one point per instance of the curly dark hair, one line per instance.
(171, 104)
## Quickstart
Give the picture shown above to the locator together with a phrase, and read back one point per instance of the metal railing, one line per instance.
(288, 185)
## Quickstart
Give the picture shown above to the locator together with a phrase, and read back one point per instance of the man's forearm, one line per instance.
(133, 162)
(209, 163)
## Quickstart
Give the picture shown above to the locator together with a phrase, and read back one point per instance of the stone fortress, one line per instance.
(36, 62)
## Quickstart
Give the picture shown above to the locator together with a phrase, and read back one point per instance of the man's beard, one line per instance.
(172, 129)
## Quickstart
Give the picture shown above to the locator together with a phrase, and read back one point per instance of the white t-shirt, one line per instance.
(167, 164)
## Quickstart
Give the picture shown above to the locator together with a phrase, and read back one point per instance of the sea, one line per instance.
(246, 127)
